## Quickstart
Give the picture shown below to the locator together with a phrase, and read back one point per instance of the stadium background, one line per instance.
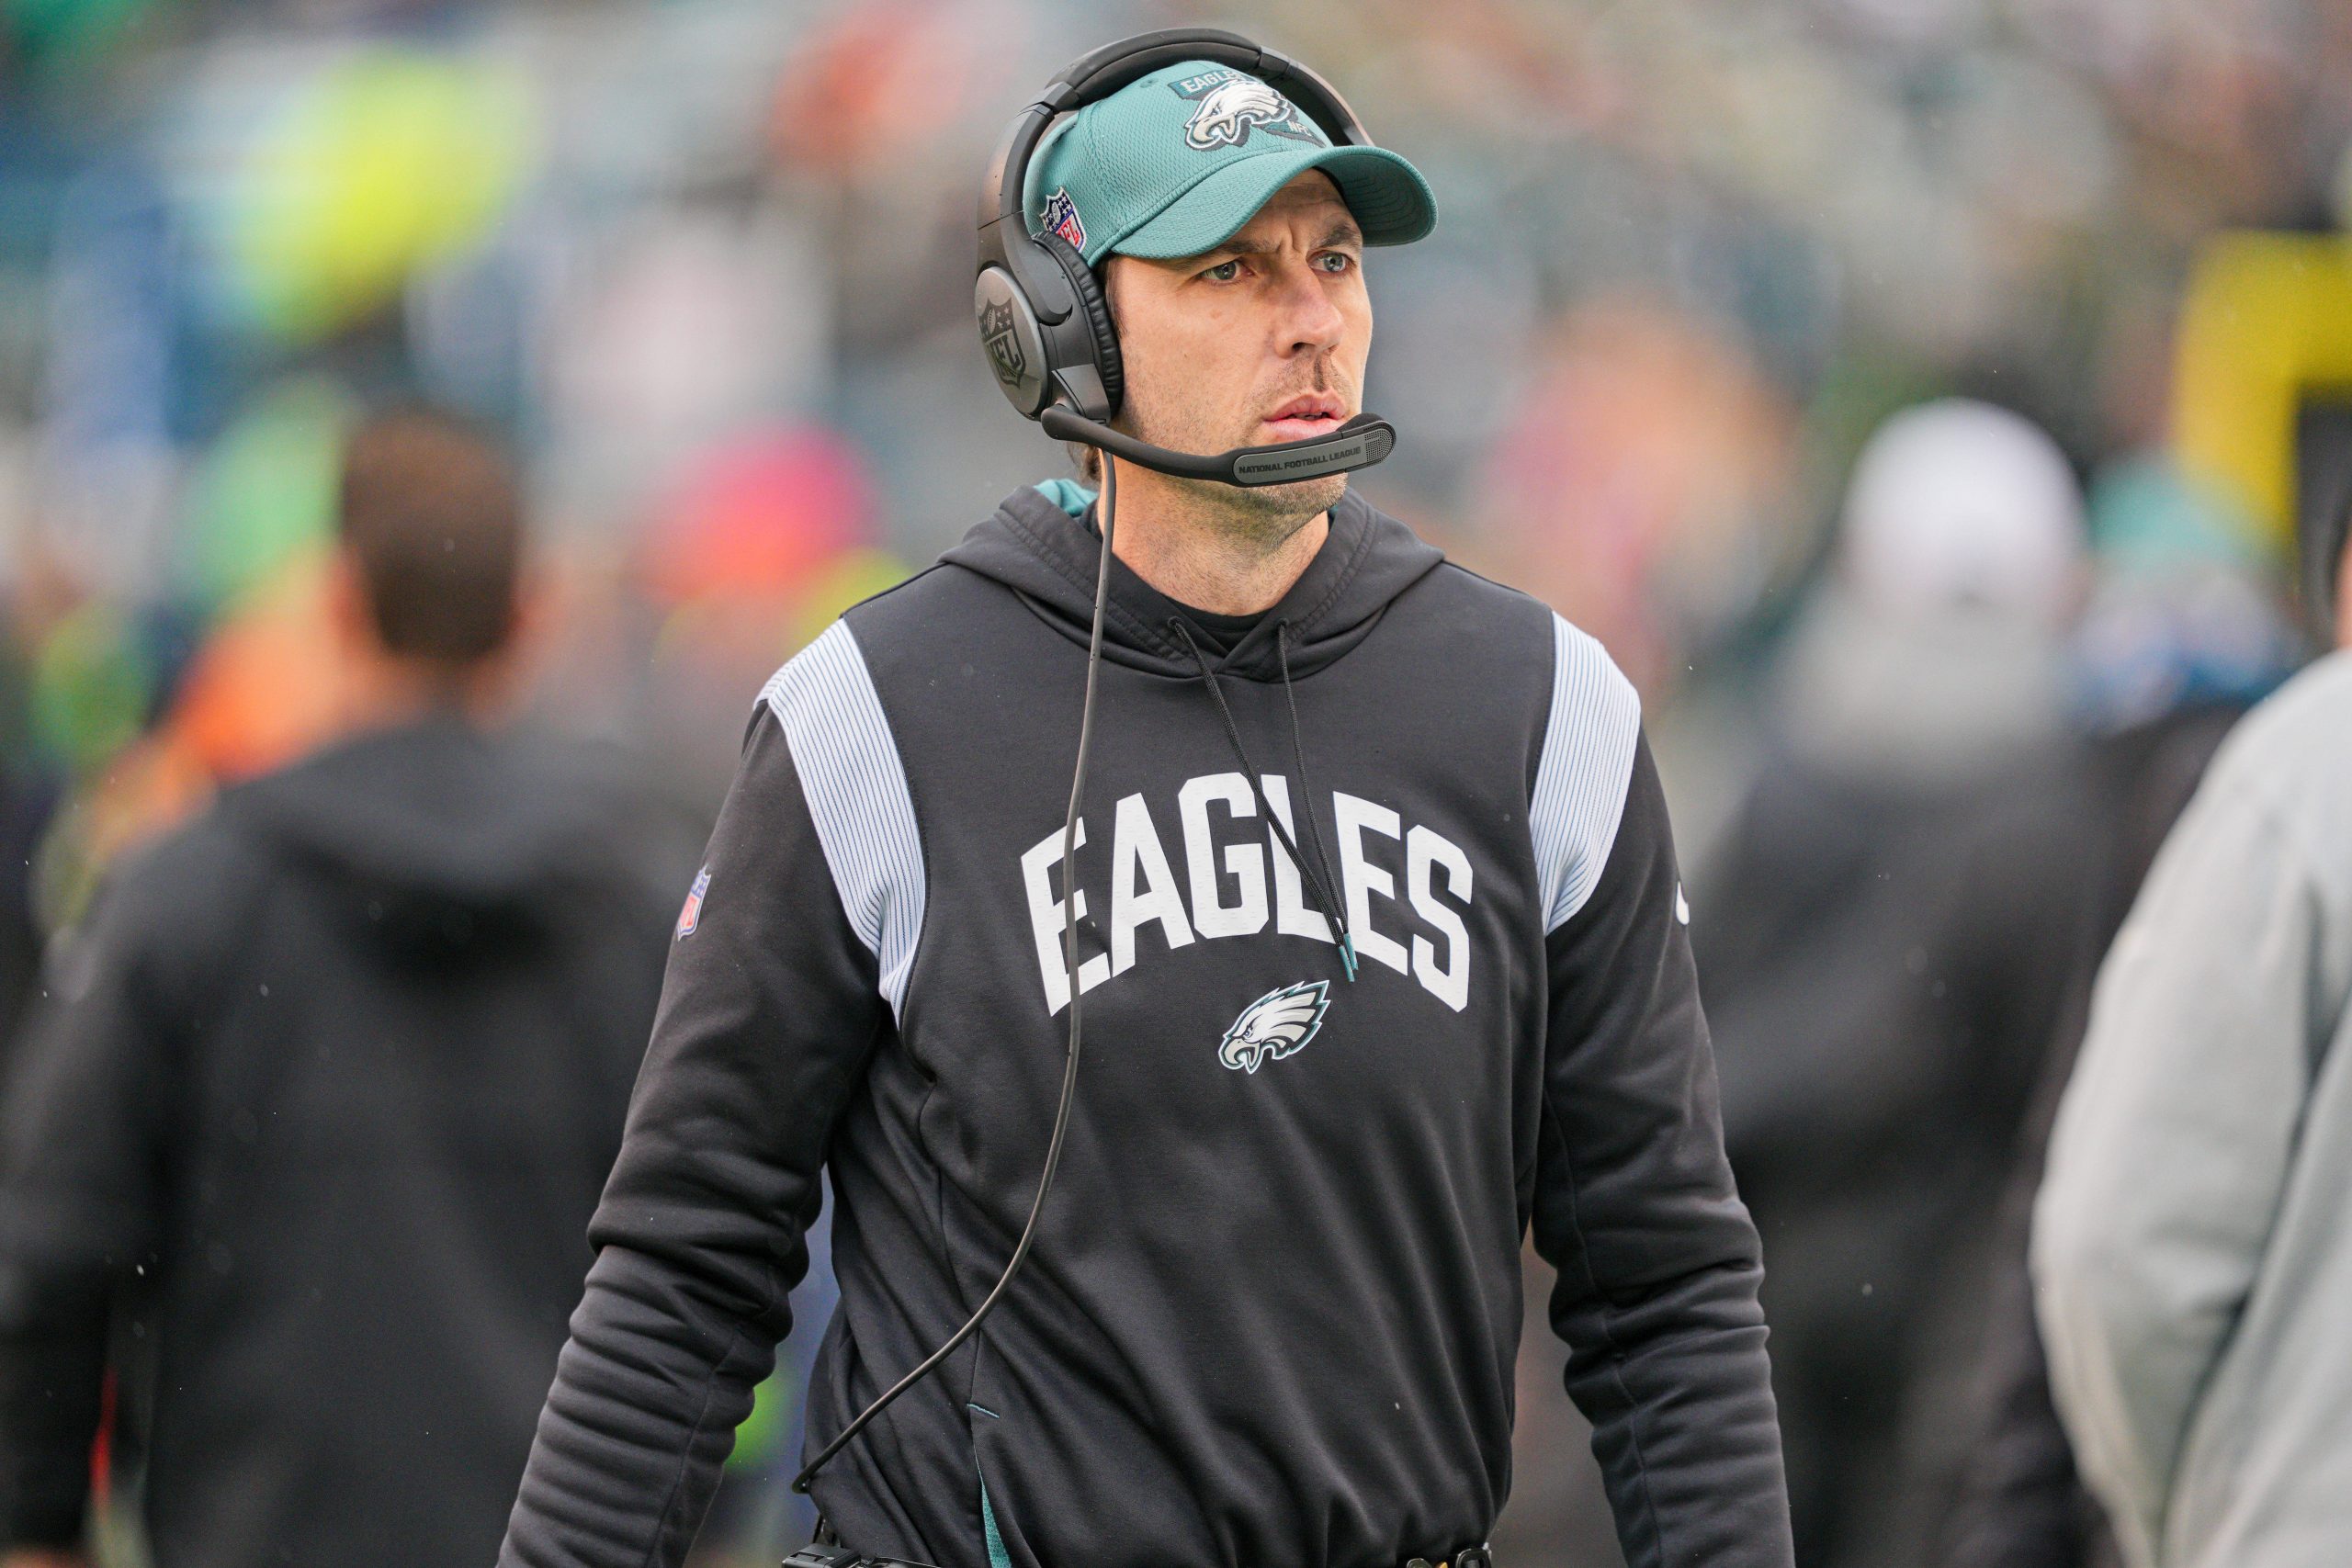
(707, 262)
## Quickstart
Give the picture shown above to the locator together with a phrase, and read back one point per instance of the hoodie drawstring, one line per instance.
(1316, 875)
(1305, 790)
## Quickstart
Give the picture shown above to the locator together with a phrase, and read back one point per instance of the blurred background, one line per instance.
(706, 264)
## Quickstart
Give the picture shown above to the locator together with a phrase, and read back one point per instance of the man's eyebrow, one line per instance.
(1343, 231)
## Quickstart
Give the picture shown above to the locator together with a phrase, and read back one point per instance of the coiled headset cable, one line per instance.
(802, 1482)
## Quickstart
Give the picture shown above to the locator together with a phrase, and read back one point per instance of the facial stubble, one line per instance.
(1260, 517)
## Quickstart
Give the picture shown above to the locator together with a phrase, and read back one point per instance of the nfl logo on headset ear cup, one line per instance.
(1014, 342)
(1029, 355)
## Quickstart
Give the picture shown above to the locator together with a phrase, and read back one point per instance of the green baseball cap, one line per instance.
(1176, 163)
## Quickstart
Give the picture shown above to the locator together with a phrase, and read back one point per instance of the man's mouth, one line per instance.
(1305, 417)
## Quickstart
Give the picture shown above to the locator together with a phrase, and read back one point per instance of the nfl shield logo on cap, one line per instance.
(1061, 218)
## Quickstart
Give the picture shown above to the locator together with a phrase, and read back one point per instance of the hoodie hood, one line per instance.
(437, 832)
(1042, 544)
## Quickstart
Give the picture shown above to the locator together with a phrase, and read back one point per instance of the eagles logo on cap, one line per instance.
(1230, 104)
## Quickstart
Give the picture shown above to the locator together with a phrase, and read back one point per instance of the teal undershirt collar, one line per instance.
(1068, 494)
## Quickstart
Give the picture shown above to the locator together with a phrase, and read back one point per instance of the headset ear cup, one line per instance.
(1096, 309)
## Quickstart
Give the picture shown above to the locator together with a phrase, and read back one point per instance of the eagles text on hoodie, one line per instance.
(1275, 1304)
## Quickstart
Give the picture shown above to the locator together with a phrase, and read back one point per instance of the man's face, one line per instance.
(1261, 340)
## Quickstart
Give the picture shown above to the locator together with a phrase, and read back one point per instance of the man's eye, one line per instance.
(1335, 261)
(1225, 270)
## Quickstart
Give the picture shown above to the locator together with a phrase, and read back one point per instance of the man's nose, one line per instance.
(1311, 323)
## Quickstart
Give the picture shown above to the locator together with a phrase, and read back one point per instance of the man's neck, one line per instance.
(382, 693)
(1224, 561)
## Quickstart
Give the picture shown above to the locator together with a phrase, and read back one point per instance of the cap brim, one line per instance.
(1387, 194)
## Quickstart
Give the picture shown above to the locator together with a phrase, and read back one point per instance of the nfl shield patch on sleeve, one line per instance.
(691, 916)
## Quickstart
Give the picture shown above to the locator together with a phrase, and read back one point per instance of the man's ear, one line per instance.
(1115, 268)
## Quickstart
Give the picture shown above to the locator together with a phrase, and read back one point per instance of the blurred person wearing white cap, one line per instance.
(1876, 939)
(1936, 649)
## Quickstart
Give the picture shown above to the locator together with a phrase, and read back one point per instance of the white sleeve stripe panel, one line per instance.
(1587, 763)
(856, 790)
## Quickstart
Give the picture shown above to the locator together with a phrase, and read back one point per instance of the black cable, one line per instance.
(1069, 960)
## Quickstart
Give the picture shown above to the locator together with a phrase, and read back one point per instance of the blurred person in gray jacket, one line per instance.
(1880, 941)
(2190, 1254)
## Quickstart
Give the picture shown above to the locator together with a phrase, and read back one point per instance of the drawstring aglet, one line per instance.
(1348, 953)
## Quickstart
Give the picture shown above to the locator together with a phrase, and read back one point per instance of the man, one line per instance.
(1272, 1313)
(2189, 1245)
(317, 1109)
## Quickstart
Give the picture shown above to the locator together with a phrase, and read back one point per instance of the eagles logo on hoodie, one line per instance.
(1276, 1025)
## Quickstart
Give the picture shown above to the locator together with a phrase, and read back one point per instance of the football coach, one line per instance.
(1365, 893)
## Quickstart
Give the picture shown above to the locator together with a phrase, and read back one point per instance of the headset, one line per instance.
(1040, 309)
(1048, 335)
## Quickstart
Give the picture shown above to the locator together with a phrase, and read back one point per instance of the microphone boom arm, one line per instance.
(1361, 442)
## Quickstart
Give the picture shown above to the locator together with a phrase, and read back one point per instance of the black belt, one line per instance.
(819, 1555)
(832, 1554)
(1478, 1556)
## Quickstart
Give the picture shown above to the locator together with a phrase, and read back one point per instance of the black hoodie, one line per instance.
(1273, 1308)
(322, 1102)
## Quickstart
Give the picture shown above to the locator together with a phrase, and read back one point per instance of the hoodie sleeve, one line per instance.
(1659, 1265)
(769, 1011)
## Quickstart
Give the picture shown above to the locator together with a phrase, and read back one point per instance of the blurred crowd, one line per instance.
(1926, 401)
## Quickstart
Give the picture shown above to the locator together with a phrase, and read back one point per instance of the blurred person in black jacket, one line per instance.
(1880, 940)
(2019, 1503)
(306, 1132)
